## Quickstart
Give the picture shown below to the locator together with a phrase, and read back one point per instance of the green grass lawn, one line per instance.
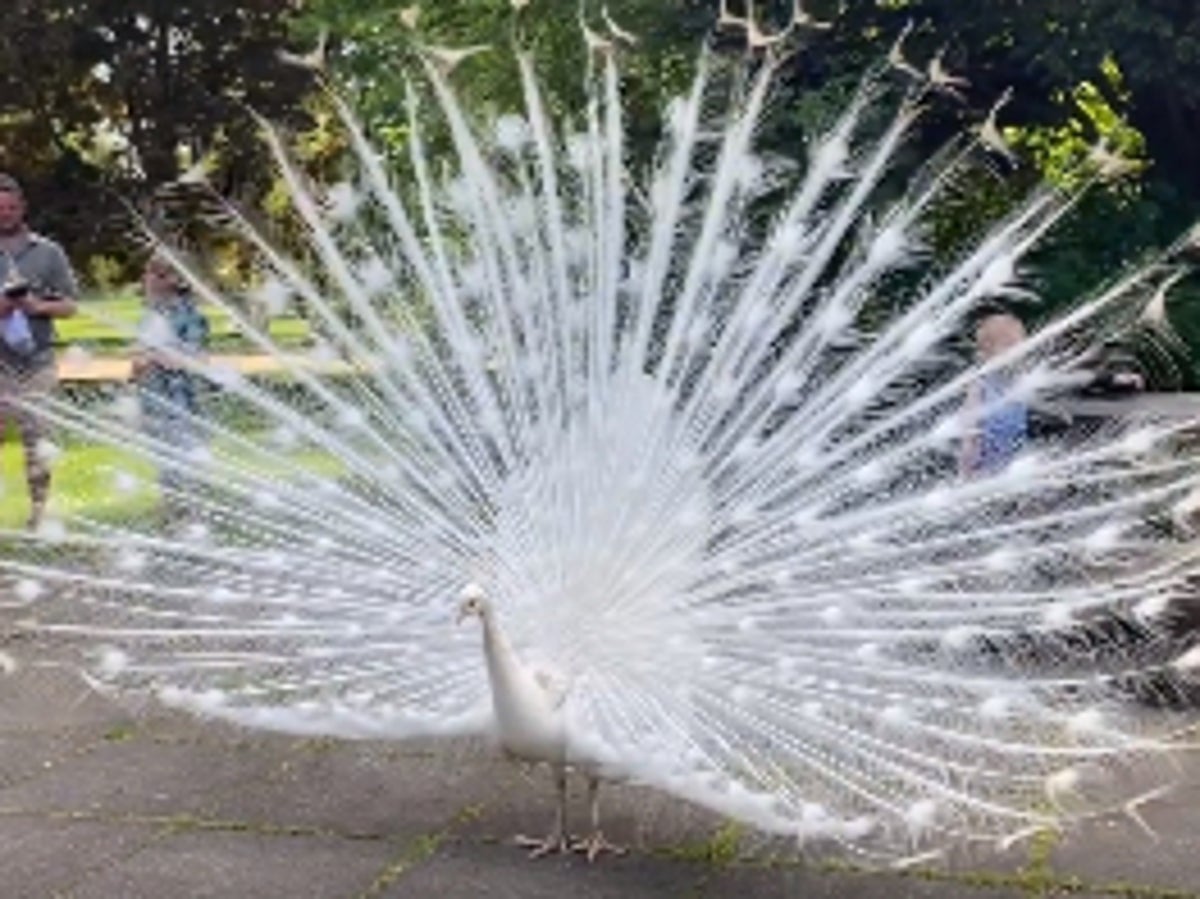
(105, 325)
(85, 480)
(85, 474)
(83, 484)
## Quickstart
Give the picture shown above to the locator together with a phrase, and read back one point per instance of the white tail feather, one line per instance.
(700, 450)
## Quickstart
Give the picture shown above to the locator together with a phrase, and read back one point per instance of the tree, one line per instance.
(374, 40)
(1080, 70)
(104, 101)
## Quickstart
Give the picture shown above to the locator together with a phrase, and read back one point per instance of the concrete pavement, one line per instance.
(97, 800)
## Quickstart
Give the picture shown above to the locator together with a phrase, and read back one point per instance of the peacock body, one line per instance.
(697, 445)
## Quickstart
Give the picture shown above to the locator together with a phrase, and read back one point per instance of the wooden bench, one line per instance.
(113, 369)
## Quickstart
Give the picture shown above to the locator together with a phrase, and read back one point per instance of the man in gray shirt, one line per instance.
(36, 287)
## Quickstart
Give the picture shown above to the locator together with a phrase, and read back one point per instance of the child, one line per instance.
(998, 427)
(171, 330)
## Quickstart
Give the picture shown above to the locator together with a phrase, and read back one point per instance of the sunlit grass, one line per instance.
(85, 480)
(105, 325)
(83, 484)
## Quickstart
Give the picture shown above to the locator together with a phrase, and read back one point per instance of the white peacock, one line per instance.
(693, 448)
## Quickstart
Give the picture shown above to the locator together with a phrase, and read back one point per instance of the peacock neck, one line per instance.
(501, 661)
(526, 717)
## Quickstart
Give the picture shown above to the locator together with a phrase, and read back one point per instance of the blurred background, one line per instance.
(106, 104)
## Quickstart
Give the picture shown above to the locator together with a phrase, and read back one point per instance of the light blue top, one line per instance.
(1003, 428)
(188, 333)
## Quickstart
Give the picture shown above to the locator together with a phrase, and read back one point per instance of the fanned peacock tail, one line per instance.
(696, 435)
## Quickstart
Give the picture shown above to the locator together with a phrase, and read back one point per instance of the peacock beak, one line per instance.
(471, 603)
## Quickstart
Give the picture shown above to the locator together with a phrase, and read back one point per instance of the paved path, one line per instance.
(97, 800)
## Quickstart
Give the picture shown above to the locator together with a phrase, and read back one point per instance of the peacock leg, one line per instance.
(557, 840)
(595, 843)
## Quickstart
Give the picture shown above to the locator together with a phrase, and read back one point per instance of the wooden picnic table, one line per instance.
(1142, 407)
(109, 369)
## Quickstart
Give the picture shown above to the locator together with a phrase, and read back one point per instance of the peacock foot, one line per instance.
(595, 844)
(541, 846)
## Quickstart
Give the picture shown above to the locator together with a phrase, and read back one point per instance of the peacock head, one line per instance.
(474, 602)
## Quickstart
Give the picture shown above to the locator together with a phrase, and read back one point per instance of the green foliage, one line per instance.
(120, 733)
(721, 849)
(1062, 152)
(102, 103)
(376, 53)
(105, 272)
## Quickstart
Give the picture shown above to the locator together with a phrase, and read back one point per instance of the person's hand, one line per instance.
(139, 364)
(1128, 380)
(37, 305)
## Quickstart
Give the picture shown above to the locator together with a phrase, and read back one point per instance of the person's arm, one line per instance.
(1115, 372)
(58, 296)
(1129, 381)
(141, 359)
(139, 364)
(53, 306)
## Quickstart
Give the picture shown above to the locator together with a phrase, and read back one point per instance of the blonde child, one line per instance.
(998, 427)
